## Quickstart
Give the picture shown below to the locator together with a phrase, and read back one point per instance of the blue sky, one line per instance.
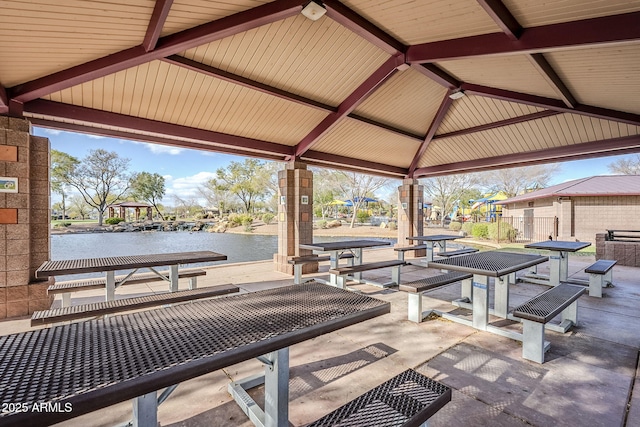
(184, 170)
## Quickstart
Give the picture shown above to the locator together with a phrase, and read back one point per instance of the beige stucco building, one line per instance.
(583, 207)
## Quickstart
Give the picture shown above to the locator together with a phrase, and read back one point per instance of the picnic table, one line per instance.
(109, 265)
(337, 248)
(82, 367)
(484, 265)
(433, 240)
(558, 260)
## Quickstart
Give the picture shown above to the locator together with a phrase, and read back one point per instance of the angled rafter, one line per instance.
(169, 45)
(502, 17)
(549, 74)
(435, 124)
(594, 31)
(158, 18)
(437, 74)
(105, 118)
(348, 163)
(381, 75)
(585, 150)
(552, 104)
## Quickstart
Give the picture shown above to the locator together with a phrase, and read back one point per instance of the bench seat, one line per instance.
(408, 399)
(535, 313)
(65, 288)
(110, 307)
(417, 287)
(343, 272)
(600, 276)
(299, 261)
(458, 252)
(402, 249)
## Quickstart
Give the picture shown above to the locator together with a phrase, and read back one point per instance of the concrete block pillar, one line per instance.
(410, 212)
(24, 219)
(295, 216)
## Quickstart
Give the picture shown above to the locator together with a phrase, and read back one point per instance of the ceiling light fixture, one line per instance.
(457, 94)
(314, 10)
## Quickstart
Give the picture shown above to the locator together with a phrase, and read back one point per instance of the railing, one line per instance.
(624, 235)
(524, 229)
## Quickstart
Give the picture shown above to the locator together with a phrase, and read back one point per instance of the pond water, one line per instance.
(237, 247)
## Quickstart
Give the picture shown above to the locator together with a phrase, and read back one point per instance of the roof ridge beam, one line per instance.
(105, 118)
(168, 45)
(156, 23)
(593, 31)
(362, 92)
(551, 104)
(584, 150)
(435, 124)
(502, 16)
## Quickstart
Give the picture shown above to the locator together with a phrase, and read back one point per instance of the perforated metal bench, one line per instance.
(535, 313)
(343, 272)
(298, 262)
(67, 287)
(458, 252)
(117, 306)
(408, 399)
(600, 276)
(417, 287)
(402, 249)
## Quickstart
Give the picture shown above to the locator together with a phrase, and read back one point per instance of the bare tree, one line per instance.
(625, 166)
(445, 191)
(515, 181)
(216, 195)
(357, 187)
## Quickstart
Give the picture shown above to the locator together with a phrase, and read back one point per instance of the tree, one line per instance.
(357, 187)
(446, 191)
(61, 165)
(216, 195)
(101, 178)
(148, 187)
(516, 181)
(625, 166)
(325, 191)
(247, 180)
(79, 207)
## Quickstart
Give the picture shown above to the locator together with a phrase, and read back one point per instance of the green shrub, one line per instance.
(236, 220)
(268, 218)
(506, 232)
(113, 221)
(480, 230)
(322, 223)
(246, 223)
(393, 226)
(455, 226)
(467, 227)
(61, 224)
(362, 217)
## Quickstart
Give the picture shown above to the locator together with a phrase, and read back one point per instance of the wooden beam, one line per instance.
(349, 163)
(549, 74)
(4, 100)
(502, 17)
(437, 74)
(154, 29)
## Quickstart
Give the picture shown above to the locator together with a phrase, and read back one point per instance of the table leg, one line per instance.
(334, 258)
(429, 251)
(358, 261)
(145, 410)
(555, 261)
(111, 286)
(480, 302)
(564, 266)
(501, 303)
(173, 278)
(443, 245)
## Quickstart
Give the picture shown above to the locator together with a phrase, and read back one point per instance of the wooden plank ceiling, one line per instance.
(402, 88)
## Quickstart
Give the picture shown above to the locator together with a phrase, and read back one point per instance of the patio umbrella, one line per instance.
(337, 203)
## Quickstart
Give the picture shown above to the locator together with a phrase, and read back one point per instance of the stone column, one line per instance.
(295, 216)
(410, 212)
(25, 219)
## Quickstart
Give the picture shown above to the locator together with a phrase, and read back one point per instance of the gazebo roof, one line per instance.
(398, 88)
(129, 205)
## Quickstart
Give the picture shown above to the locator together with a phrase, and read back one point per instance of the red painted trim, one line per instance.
(607, 29)
(502, 17)
(365, 29)
(437, 74)
(88, 115)
(158, 18)
(387, 127)
(552, 104)
(350, 103)
(586, 150)
(546, 70)
(435, 124)
(499, 124)
(169, 45)
(349, 163)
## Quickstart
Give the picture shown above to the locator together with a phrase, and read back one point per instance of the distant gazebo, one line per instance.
(122, 207)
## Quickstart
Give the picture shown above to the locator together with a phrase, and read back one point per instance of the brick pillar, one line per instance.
(410, 212)
(24, 219)
(295, 216)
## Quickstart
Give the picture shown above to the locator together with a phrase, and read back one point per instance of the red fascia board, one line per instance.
(607, 29)
(169, 45)
(88, 115)
(156, 23)
(585, 150)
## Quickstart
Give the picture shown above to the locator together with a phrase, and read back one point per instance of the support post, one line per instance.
(410, 212)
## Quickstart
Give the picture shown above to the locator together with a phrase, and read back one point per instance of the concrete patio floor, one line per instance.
(588, 378)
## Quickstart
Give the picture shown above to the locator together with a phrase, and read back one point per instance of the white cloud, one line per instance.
(52, 131)
(186, 187)
(95, 136)
(160, 149)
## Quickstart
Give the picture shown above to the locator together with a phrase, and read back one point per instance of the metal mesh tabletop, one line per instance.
(434, 238)
(101, 362)
(92, 265)
(347, 244)
(490, 263)
(554, 245)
